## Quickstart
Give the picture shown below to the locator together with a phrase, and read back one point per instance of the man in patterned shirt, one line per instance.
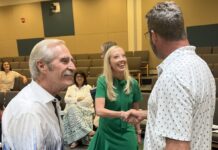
(182, 102)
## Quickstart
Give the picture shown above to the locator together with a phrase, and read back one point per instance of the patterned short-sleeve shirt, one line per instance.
(182, 103)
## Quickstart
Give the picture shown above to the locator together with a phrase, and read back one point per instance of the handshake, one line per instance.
(133, 116)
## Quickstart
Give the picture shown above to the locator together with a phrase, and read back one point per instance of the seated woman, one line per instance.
(7, 77)
(79, 111)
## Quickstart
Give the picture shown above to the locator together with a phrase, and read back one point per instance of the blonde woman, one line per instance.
(117, 92)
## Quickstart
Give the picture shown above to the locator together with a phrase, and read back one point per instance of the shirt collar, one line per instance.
(173, 56)
(41, 95)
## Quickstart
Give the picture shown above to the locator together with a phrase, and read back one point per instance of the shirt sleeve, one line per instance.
(87, 101)
(101, 89)
(174, 113)
(16, 74)
(28, 134)
(137, 95)
(70, 95)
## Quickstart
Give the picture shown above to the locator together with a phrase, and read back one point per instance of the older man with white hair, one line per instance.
(31, 120)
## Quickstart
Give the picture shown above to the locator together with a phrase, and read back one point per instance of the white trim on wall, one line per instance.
(134, 25)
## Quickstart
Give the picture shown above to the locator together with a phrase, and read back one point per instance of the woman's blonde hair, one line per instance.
(107, 72)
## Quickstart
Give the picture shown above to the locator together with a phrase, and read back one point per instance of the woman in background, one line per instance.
(79, 111)
(105, 46)
(7, 77)
(117, 92)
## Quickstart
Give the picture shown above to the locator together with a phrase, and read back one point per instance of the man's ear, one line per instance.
(154, 36)
(41, 65)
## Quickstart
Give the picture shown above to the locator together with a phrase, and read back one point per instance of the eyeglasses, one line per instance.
(147, 35)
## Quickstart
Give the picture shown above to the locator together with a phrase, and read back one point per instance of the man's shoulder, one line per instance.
(23, 101)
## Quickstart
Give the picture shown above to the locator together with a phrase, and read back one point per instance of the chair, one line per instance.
(9, 96)
(97, 62)
(203, 50)
(83, 69)
(153, 81)
(18, 84)
(215, 71)
(95, 71)
(15, 65)
(83, 63)
(129, 53)
(80, 56)
(215, 50)
(24, 65)
(143, 104)
(19, 58)
(95, 56)
(144, 54)
(215, 122)
(8, 59)
(211, 67)
(92, 81)
(26, 72)
(62, 102)
(134, 64)
(2, 99)
(216, 80)
(210, 58)
(215, 118)
(93, 92)
(27, 58)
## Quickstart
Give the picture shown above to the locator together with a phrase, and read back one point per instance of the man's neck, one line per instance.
(47, 87)
(170, 46)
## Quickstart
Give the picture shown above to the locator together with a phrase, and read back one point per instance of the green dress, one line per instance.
(113, 133)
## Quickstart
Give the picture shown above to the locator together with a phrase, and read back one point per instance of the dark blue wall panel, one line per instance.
(25, 45)
(203, 36)
(58, 24)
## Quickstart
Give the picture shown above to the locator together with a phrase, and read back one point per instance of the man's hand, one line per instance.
(134, 116)
(126, 116)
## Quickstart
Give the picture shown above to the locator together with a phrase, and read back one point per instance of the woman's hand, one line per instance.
(126, 116)
(139, 138)
(80, 98)
(24, 80)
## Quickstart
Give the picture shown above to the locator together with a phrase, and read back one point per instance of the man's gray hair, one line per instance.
(44, 51)
(166, 19)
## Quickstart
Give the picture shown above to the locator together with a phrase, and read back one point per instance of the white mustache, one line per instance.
(68, 73)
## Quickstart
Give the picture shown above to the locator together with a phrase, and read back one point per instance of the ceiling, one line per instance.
(15, 2)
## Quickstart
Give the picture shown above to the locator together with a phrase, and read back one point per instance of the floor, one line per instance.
(81, 147)
(85, 148)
